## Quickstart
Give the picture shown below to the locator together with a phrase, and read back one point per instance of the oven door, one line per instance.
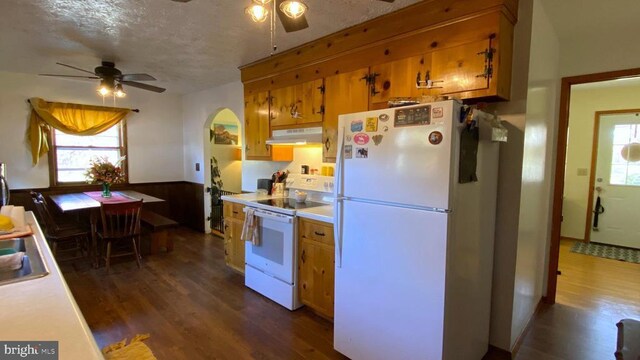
(276, 253)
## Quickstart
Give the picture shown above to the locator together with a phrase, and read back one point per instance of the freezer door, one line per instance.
(389, 291)
(403, 155)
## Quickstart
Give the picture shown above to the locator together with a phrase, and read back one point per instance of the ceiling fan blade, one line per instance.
(143, 86)
(75, 68)
(71, 76)
(137, 77)
(289, 24)
(389, 1)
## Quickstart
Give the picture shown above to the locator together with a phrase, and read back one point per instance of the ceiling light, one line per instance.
(105, 87)
(257, 12)
(293, 9)
(119, 91)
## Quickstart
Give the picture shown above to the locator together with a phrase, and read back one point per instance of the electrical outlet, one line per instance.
(197, 166)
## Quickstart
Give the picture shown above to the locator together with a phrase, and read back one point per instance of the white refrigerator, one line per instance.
(414, 247)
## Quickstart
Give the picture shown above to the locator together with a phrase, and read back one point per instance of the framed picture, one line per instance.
(224, 134)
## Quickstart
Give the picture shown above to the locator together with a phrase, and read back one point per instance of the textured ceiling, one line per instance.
(186, 46)
(578, 18)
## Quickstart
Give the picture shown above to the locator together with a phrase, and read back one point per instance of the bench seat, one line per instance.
(158, 226)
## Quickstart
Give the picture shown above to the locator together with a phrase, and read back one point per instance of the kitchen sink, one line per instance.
(33, 265)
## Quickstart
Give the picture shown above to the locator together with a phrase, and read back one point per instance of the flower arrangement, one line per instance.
(101, 171)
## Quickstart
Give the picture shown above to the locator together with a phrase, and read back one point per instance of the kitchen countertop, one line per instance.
(320, 213)
(44, 309)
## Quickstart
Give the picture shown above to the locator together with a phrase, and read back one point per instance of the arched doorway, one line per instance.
(223, 164)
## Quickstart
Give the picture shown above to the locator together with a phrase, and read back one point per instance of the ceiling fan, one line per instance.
(112, 79)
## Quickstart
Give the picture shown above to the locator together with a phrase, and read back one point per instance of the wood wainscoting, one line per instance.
(184, 201)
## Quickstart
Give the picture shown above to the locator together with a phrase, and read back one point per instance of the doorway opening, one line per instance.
(223, 164)
(594, 188)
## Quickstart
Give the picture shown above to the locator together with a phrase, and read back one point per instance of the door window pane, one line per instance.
(624, 172)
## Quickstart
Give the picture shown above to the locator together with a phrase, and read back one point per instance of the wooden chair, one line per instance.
(63, 236)
(120, 224)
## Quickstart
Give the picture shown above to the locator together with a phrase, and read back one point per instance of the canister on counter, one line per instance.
(304, 170)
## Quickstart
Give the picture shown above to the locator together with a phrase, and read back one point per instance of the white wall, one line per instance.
(512, 114)
(585, 101)
(197, 110)
(154, 134)
(525, 188)
(538, 164)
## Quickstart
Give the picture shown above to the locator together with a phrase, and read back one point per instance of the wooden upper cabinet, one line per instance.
(462, 68)
(396, 79)
(296, 105)
(344, 93)
(256, 126)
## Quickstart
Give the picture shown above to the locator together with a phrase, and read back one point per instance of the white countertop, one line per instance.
(44, 309)
(320, 213)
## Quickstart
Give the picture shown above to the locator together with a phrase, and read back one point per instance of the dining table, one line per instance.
(91, 201)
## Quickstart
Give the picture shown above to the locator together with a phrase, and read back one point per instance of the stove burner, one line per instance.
(286, 203)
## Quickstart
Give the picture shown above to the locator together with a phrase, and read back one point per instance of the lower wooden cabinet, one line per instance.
(316, 261)
(233, 244)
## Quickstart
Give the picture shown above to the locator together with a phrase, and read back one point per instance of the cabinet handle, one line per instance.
(327, 143)
(235, 212)
(319, 234)
(303, 256)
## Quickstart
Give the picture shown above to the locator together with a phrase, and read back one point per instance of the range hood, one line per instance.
(303, 136)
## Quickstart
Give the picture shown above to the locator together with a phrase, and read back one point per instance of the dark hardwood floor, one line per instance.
(194, 307)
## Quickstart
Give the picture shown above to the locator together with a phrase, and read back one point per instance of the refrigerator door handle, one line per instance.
(337, 206)
(337, 230)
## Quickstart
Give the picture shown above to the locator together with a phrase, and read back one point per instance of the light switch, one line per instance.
(583, 171)
(197, 166)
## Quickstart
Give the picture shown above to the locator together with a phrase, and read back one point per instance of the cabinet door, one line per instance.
(395, 79)
(228, 241)
(312, 104)
(284, 106)
(461, 68)
(238, 246)
(256, 122)
(344, 93)
(297, 104)
(316, 276)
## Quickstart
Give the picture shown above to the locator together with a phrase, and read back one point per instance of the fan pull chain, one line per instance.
(274, 47)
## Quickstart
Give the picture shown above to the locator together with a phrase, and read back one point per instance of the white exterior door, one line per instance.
(617, 177)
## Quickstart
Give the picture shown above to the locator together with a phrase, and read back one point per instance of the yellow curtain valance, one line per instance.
(74, 119)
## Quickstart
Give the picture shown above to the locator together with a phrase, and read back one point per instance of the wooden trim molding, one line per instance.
(561, 155)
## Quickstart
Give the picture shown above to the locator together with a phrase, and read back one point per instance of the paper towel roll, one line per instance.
(17, 216)
(6, 210)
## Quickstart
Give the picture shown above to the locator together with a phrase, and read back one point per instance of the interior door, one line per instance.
(617, 177)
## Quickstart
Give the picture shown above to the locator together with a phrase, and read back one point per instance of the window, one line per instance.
(71, 154)
(624, 172)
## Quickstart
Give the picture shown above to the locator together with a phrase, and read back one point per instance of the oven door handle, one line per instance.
(272, 216)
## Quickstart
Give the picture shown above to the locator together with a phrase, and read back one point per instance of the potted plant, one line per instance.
(216, 182)
(102, 171)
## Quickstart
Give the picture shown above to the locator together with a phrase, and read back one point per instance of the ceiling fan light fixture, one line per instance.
(105, 88)
(262, 2)
(293, 9)
(257, 12)
(119, 91)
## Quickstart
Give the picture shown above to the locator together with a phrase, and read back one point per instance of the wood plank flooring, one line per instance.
(194, 307)
(593, 295)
